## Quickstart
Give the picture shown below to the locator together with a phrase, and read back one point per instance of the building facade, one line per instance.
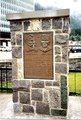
(12, 6)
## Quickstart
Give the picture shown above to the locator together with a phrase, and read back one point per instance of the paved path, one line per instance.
(7, 113)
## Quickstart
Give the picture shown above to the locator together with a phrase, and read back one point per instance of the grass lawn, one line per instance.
(75, 82)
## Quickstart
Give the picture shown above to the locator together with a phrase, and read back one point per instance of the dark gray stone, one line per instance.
(57, 23)
(46, 24)
(26, 25)
(17, 107)
(58, 31)
(57, 50)
(19, 39)
(24, 84)
(15, 96)
(13, 38)
(54, 98)
(58, 112)
(61, 68)
(48, 83)
(37, 94)
(58, 58)
(64, 98)
(24, 97)
(64, 53)
(14, 69)
(28, 109)
(37, 84)
(61, 39)
(42, 108)
(15, 25)
(63, 81)
(17, 52)
(56, 83)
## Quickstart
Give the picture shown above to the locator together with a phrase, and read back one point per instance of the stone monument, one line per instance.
(40, 61)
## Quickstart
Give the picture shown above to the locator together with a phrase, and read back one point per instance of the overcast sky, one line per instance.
(73, 5)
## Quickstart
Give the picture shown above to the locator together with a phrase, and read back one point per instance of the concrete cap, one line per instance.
(38, 14)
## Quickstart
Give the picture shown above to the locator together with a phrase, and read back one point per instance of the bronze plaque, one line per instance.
(38, 55)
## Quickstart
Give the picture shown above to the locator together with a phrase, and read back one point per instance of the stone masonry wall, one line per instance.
(38, 96)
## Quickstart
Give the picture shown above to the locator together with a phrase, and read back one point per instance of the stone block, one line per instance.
(54, 98)
(48, 83)
(17, 52)
(61, 68)
(13, 38)
(63, 81)
(28, 109)
(46, 95)
(46, 24)
(19, 39)
(57, 50)
(56, 83)
(24, 97)
(57, 77)
(15, 84)
(66, 23)
(37, 94)
(57, 23)
(15, 96)
(64, 97)
(42, 108)
(24, 84)
(16, 25)
(58, 58)
(26, 25)
(61, 39)
(17, 107)
(14, 68)
(58, 112)
(37, 84)
(64, 53)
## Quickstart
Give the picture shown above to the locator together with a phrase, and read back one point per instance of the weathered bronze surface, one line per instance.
(38, 55)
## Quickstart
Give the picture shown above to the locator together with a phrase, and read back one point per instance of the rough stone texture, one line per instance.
(64, 53)
(13, 38)
(37, 94)
(26, 25)
(58, 112)
(17, 107)
(57, 23)
(61, 68)
(46, 95)
(37, 84)
(63, 81)
(57, 50)
(66, 23)
(42, 108)
(24, 97)
(48, 83)
(15, 96)
(46, 24)
(24, 84)
(56, 83)
(57, 77)
(64, 98)
(19, 39)
(16, 26)
(15, 84)
(17, 52)
(14, 69)
(54, 98)
(58, 58)
(28, 109)
(61, 39)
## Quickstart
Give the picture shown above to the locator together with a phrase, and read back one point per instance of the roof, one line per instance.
(38, 14)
